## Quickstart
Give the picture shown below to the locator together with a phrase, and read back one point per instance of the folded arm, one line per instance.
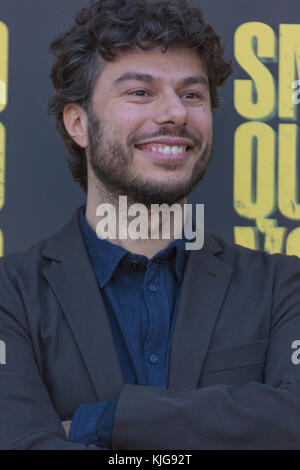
(255, 416)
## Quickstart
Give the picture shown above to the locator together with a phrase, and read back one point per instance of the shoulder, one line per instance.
(29, 263)
(252, 261)
(24, 265)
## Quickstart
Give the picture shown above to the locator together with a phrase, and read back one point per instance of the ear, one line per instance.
(76, 123)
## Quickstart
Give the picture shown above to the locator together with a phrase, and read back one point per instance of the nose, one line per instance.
(170, 110)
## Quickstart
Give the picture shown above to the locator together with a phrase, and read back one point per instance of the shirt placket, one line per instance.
(158, 309)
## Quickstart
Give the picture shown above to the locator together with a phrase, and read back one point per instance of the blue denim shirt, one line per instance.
(141, 298)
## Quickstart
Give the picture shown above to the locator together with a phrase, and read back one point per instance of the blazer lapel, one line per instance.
(205, 283)
(72, 279)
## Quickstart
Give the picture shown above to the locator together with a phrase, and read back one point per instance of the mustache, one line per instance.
(165, 131)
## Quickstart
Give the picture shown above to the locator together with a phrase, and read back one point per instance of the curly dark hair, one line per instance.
(110, 26)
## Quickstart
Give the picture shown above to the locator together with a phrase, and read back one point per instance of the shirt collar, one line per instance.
(106, 256)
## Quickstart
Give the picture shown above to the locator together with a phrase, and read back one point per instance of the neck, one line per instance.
(142, 230)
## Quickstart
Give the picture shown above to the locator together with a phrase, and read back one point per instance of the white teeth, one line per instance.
(169, 150)
(176, 150)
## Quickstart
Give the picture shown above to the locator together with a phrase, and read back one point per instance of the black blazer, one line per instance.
(232, 381)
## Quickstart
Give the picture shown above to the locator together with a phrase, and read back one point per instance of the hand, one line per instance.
(67, 426)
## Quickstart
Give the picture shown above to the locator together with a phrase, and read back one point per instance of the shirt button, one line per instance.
(152, 287)
(153, 358)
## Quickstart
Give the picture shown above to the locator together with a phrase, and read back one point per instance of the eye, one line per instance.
(196, 95)
(138, 93)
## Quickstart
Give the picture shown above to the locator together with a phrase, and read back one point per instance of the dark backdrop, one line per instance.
(40, 194)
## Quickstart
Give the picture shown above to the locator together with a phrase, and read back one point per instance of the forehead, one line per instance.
(176, 64)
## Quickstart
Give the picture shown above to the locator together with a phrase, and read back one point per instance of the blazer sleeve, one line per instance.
(28, 419)
(255, 416)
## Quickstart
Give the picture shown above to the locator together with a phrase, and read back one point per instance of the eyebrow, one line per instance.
(145, 77)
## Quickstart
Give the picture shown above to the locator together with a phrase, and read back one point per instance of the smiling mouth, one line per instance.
(163, 148)
(165, 152)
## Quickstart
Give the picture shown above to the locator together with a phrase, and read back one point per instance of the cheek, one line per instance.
(125, 117)
(201, 121)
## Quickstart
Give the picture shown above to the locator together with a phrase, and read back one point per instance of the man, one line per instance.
(140, 343)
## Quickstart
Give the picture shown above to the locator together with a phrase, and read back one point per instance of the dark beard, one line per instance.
(110, 164)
